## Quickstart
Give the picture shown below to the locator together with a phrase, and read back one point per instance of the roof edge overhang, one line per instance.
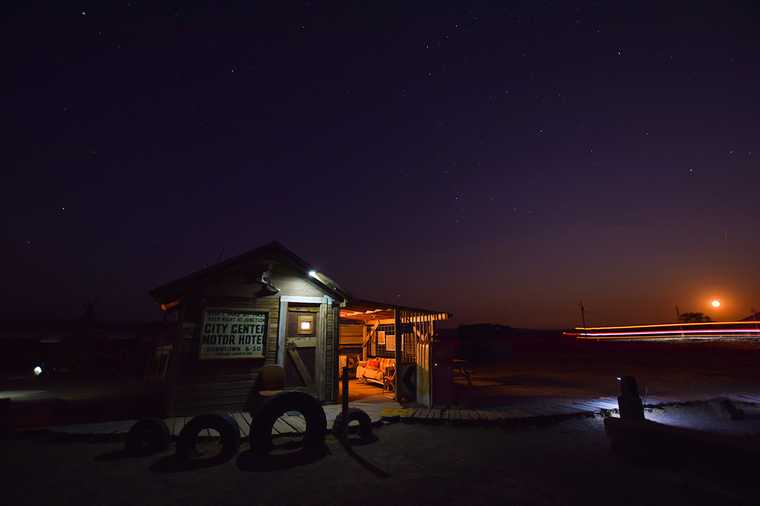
(426, 314)
(169, 295)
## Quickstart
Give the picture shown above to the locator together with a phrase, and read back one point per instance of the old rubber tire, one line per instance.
(225, 425)
(340, 427)
(147, 437)
(275, 407)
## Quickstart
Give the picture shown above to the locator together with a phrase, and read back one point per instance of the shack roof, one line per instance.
(271, 252)
(274, 252)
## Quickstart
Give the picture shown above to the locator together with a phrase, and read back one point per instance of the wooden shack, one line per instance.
(269, 306)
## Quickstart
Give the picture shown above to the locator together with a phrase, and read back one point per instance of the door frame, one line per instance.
(319, 358)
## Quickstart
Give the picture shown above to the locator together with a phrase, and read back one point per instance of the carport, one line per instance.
(403, 336)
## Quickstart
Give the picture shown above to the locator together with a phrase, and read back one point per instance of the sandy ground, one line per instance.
(537, 367)
(587, 370)
(564, 463)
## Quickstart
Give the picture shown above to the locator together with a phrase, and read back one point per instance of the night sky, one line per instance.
(501, 163)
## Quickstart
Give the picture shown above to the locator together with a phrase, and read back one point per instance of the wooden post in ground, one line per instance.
(583, 315)
(173, 372)
(344, 398)
(397, 337)
(365, 342)
(629, 401)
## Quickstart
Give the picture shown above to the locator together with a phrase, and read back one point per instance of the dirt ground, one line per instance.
(564, 463)
(552, 368)
(537, 366)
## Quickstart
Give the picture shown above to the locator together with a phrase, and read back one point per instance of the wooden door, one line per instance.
(303, 327)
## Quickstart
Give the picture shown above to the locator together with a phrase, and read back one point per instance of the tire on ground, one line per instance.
(275, 407)
(147, 436)
(340, 427)
(224, 424)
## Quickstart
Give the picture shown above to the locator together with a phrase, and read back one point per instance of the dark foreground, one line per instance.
(563, 463)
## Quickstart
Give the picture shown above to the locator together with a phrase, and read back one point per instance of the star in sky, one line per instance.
(503, 111)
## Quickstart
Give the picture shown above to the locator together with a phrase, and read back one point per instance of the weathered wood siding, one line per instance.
(227, 385)
(351, 334)
(221, 385)
(332, 336)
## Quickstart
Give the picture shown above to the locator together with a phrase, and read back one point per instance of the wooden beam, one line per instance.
(300, 366)
(303, 342)
(384, 321)
(320, 357)
(397, 337)
(364, 342)
(173, 371)
(368, 340)
(335, 310)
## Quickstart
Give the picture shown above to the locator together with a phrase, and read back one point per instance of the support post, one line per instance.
(344, 397)
(397, 337)
(173, 372)
(629, 401)
(583, 315)
(365, 341)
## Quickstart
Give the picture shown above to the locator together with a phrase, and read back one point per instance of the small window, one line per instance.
(302, 320)
(306, 324)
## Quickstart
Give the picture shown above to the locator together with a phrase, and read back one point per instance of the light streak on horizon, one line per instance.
(671, 332)
(753, 322)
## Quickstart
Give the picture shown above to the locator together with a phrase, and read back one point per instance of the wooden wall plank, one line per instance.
(300, 366)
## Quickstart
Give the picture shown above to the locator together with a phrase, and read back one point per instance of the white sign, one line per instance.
(390, 342)
(231, 333)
